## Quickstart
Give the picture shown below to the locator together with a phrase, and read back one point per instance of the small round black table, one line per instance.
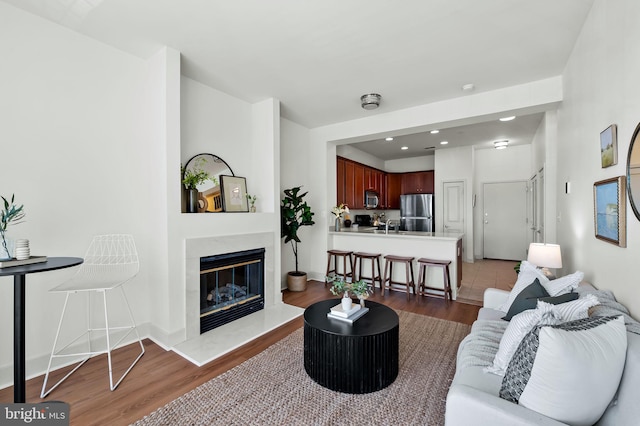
(353, 358)
(19, 272)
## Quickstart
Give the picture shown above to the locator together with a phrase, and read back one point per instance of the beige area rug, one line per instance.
(272, 388)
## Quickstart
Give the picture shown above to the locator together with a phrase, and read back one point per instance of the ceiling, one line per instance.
(518, 131)
(319, 56)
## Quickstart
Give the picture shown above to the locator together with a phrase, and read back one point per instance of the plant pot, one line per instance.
(192, 201)
(297, 281)
(347, 303)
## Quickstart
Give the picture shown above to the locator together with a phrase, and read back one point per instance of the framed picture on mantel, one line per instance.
(233, 191)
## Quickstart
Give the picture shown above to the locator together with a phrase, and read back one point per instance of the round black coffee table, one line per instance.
(353, 358)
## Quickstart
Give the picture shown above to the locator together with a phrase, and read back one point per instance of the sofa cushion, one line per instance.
(563, 285)
(569, 372)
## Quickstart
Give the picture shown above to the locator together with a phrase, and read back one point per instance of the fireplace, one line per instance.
(231, 287)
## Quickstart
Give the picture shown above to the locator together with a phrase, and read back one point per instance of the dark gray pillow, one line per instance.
(526, 299)
(535, 291)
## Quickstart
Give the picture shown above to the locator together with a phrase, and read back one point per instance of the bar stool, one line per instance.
(334, 254)
(388, 282)
(423, 287)
(359, 257)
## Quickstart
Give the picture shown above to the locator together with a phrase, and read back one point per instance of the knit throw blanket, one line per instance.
(609, 306)
(480, 346)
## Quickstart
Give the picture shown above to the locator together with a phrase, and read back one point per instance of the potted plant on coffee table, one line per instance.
(294, 213)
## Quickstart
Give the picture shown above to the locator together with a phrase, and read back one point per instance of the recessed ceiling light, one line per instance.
(405, 147)
(444, 142)
(468, 87)
(433, 132)
(388, 139)
(508, 118)
(501, 144)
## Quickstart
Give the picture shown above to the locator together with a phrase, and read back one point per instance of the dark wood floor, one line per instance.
(161, 376)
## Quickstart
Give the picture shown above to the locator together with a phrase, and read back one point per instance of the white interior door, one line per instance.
(453, 214)
(505, 220)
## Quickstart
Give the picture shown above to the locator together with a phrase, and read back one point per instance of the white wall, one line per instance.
(491, 166)
(298, 169)
(77, 151)
(456, 164)
(415, 164)
(352, 153)
(599, 89)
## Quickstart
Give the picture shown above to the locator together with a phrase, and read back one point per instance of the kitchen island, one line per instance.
(432, 245)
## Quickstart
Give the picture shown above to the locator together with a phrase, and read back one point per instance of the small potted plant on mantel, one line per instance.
(294, 213)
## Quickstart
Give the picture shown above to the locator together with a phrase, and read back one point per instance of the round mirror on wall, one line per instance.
(633, 172)
(208, 190)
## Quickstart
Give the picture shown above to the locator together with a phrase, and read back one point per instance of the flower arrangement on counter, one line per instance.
(338, 210)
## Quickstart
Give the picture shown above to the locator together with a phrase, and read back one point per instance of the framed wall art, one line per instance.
(233, 191)
(609, 146)
(609, 204)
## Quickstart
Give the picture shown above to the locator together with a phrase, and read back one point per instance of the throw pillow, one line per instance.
(518, 327)
(569, 372)
(526, 299)
(563, 285)
(527, 275)
(576, 309)
(532, 302)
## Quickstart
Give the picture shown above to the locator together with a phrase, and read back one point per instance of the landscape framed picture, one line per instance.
(609, 205)
(234, 189)
(609, 146)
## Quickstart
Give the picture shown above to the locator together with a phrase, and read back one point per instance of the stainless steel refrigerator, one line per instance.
(416, 212)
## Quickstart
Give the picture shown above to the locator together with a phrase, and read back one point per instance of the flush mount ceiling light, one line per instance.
(389, 139)
(468, 87)
(501, 144)
(433, 132)
(508, 118)
(444, 142)
(405, 147)
(370, 101)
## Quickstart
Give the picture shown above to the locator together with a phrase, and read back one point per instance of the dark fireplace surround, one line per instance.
(231, 287)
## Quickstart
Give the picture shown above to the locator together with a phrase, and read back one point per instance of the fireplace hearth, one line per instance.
(231, 287)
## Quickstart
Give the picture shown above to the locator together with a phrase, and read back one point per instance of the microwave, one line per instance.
(371, 199)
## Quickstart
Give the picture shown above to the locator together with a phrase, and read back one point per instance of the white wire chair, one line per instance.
(110, 261)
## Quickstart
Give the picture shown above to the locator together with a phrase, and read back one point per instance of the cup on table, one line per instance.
(22, 250)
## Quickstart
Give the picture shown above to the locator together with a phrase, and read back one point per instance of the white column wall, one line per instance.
(599, 89)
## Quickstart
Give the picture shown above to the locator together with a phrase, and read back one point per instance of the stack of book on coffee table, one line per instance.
(349, 316)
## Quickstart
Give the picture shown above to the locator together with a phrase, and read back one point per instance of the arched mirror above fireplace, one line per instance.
(214, 166)
(633, 172)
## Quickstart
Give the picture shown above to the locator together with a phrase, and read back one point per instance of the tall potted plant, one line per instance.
(294, 213)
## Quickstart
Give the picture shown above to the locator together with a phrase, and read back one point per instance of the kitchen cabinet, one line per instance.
(353, 179)
(340, 182)
(358, 186)
(393, 190)
(417, 182)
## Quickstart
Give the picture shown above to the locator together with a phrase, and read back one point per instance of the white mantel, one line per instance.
(202, 348)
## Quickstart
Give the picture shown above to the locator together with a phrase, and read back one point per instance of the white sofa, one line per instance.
(473, 396)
